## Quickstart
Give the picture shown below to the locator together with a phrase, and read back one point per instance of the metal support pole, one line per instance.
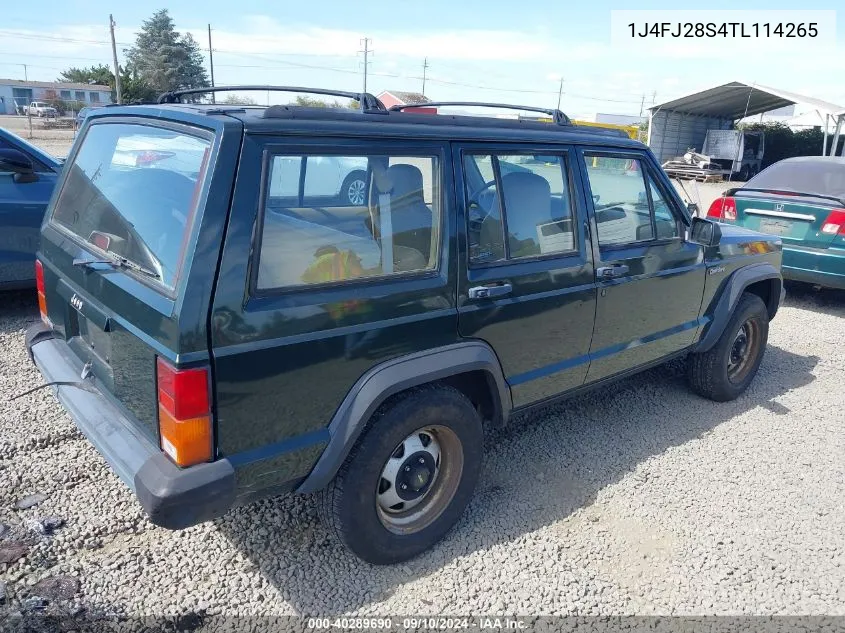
(211, 63)
(836, 134)
(824, 143)
(114, 59)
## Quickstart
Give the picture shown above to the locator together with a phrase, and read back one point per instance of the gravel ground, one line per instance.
(641, 499)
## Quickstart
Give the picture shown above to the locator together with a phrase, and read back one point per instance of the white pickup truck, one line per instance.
(41, 109)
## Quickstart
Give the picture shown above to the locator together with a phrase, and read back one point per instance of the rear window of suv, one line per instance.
(131, 193)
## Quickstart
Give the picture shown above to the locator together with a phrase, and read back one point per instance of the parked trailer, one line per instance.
(735, 151)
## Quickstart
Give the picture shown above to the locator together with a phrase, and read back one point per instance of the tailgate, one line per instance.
(118, 250)
(798, 221)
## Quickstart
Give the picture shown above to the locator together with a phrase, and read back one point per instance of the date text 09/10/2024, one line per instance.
(724, 29)
(419, 623)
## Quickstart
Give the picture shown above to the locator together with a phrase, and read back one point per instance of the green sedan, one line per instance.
(802, 200)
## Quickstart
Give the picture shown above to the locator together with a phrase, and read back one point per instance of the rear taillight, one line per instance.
(39, 285)
(722, 209)
(835, 223)
(184, 413)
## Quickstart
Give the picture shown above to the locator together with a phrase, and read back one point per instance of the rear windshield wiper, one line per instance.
(790, 193)
(118, 262)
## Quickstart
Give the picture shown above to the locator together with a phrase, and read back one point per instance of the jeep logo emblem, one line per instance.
(76, 302)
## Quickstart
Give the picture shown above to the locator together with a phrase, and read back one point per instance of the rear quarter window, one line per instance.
(132, 192)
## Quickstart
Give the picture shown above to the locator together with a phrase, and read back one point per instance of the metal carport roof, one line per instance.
(731, 101)
(717, 107)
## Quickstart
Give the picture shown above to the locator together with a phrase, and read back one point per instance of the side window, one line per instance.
(623, 215)
(326, 230)
(665, 223)
(533, 207)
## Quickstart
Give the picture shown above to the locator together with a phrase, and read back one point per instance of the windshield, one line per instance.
(819, 177)
(131, 192)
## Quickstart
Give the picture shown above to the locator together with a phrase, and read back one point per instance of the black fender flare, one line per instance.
(389, 378)
(724, 306)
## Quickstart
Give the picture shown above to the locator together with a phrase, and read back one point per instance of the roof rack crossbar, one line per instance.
(368, 102)
(557, 116)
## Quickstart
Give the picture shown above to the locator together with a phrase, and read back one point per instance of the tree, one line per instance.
(311, 102)
(100, 75)
(164, 60)
(133, 88)
(233, 99)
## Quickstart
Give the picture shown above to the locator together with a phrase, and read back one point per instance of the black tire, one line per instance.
(710, 373)
(358, 196)
(744, 173)
(349, 506)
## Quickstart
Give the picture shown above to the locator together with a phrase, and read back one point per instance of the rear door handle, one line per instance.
(488, 292)
(609, 272)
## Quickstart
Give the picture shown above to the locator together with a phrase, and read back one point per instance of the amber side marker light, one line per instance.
(184, 413)
(39, 284)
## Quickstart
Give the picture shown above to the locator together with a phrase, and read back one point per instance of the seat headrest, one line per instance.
(405, 179)
(525, 189)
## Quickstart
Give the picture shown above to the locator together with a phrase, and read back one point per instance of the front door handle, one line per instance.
(609, 272)
(488, 292)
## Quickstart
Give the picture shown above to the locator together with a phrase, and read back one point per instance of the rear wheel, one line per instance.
(724, 372)
(354, 189)
(409, 478)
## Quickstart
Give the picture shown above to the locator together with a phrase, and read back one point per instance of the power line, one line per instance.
(367, 52)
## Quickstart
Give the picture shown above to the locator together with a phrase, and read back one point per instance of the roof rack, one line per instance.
(557, 116)
(368, 102)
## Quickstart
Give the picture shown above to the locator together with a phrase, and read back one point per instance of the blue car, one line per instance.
(27, 178)
(83, 113)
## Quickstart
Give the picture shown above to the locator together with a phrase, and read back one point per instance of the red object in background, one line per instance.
(389, 99)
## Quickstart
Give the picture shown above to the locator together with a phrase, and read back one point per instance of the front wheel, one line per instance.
(724, 372)
(409, 477)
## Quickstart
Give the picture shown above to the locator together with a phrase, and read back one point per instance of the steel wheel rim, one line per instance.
(424, 499)
(743, 350)
(355, 191)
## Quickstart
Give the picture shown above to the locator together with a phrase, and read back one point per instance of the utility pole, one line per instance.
(425, 67)
(114, 59)
(211, 63)
(642, 103)
(366, 51)
(559, 93)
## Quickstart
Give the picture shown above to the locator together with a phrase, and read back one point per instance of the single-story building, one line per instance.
(17, 92)
(397, 97)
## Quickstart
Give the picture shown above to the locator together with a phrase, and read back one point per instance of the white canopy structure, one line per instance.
(678, 125)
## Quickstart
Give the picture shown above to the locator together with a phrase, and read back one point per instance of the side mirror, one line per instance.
(12, 160)
(705, 232)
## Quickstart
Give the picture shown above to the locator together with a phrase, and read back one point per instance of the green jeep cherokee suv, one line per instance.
(224, 321)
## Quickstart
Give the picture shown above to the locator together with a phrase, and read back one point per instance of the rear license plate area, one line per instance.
(775, 227)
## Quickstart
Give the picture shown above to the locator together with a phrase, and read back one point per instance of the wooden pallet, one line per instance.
(700, 175)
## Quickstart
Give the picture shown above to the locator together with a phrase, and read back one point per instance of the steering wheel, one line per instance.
(480, 190)
(476, 211)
